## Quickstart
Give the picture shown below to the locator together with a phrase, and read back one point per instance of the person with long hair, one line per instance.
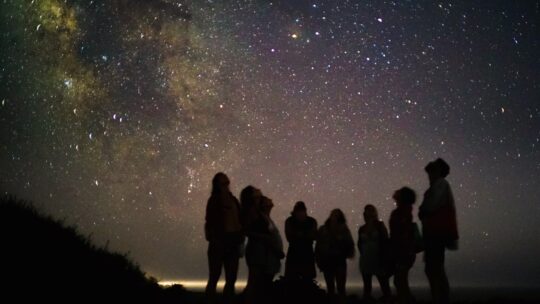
(301, 232)
(223, 231)
(333, 247)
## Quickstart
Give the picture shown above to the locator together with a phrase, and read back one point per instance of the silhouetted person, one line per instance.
(223, 230)
(301, 232)
(402, 242)
(264, 252)
(250, 198)
(373, 244)
(334, 246)
(439, 225)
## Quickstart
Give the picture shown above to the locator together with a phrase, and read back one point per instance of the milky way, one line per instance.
(115, 115)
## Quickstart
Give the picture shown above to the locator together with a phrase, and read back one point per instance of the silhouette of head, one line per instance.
(250, 200)
(337, 217)
(299, 211)
(404, 196)
(266, 205)
(220, 183)
(370, 213)
(250, 197)
(437, 169)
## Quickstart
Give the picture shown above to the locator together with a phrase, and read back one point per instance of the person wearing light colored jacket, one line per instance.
(264, 252)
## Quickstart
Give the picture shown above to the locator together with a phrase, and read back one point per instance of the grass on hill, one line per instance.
(43, 259)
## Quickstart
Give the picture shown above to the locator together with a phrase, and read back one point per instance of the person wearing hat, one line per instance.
(439, 228)
(301, 232)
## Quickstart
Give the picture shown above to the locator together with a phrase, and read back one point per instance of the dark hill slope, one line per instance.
(42, 259)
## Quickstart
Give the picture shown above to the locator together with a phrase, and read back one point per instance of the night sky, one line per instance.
(115, 115)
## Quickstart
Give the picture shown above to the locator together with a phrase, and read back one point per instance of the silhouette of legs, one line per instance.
(249, 291)
(215, 262)
(438, 281)
(367, 285)
(230, 264)
(341, 279)
(385, 286)
(330, 278)
(336, 277)
(383, 282)
(222, 253)
(260, 287)
(401, 281)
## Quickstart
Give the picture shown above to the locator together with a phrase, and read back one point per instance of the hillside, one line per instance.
(43, 259)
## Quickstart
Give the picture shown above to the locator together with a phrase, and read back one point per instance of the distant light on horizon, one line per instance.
(354, 285)
(201, 284)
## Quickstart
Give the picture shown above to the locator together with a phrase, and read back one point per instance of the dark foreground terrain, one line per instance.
(43, 260)
(463, 295)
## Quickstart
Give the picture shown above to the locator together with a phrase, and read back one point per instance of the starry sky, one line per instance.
(115, 115)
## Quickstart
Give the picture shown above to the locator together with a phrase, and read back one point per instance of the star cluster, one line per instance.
(115, 115)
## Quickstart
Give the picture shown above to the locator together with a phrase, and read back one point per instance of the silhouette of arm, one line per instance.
(392, 225)
(349, 245)
(359, 243)
(313, 232)
(211, 218)
(384, 231)
(320, 245)
(289, 231)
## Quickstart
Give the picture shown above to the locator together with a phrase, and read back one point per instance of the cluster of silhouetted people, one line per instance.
(383, 254)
